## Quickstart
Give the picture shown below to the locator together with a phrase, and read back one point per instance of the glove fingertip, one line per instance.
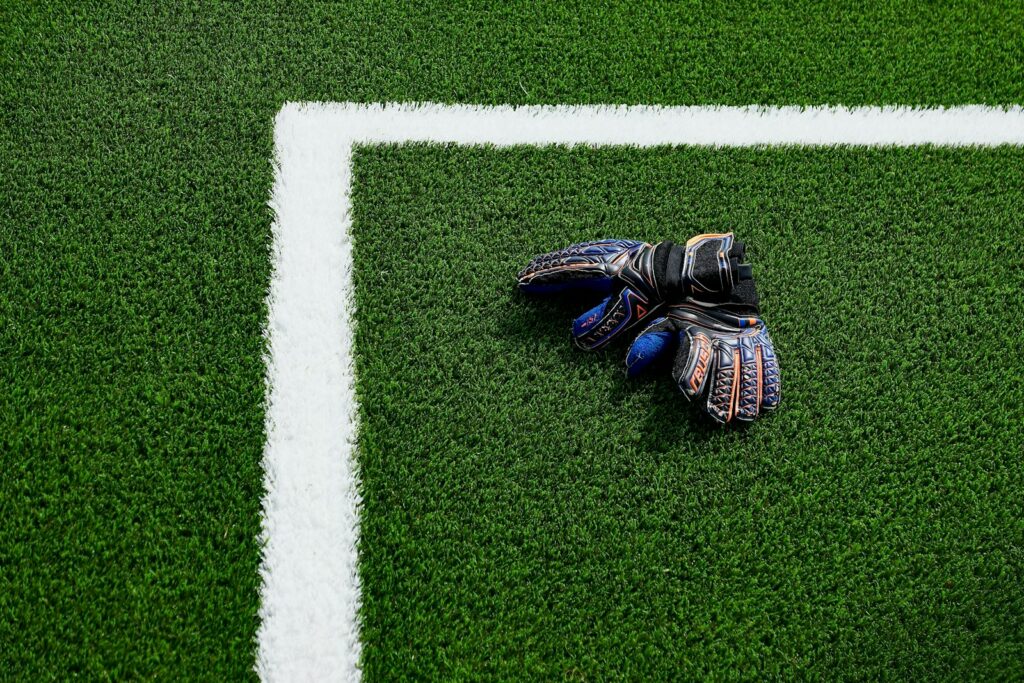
(716, 415)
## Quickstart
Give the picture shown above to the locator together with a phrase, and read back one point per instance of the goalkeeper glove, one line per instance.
(641, 279)
(723, 355)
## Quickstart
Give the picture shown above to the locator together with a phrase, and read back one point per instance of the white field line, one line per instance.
(310, 594)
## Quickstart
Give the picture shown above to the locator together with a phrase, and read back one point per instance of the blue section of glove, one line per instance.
(646, 349)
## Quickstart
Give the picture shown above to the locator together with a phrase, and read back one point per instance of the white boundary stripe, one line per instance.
(310, 596)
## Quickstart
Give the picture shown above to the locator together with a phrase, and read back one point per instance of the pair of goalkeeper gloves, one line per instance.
(695, 305)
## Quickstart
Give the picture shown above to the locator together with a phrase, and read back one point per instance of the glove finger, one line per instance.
(748, 400)
(724, 393)
(693, 361)
(771, 384)
(587, 266)
(654, 342)
(611, 318)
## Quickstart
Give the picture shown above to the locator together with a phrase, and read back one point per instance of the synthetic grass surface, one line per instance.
(134, 148)
(530, 513)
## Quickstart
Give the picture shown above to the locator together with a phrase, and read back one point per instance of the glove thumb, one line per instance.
(655, 342)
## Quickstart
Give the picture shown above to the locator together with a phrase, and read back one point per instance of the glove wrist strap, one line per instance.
(668, 270)
(675, 283)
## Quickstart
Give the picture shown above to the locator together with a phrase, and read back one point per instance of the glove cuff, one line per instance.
(708, 266)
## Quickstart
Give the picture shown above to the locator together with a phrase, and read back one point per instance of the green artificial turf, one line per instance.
(134, 258)
(530, 513)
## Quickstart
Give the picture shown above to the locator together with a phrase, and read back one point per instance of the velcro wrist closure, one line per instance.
(668, 270)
